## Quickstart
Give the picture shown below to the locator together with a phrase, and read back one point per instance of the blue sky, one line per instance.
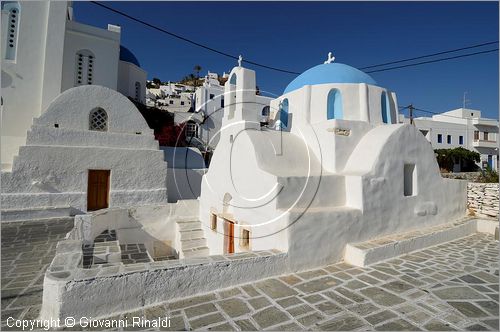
(298, 35)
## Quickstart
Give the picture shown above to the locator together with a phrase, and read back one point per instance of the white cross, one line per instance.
(331, 58)
(240, 58)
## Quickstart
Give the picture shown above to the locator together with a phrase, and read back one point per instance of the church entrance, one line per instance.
(228, 236)
(98, 190)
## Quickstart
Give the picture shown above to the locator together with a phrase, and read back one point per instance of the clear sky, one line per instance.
(298, 35)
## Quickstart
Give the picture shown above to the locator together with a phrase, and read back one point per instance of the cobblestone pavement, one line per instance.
(27, 250)
(453, 286)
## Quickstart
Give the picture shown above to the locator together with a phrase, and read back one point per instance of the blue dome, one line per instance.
(127, 56)
(329, 73)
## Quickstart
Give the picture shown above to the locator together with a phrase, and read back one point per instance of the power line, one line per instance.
(297, 73)
(431, 55)
(189, 40)
(432, 61)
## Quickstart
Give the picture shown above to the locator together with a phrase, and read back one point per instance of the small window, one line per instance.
(334, 105)
(222, 102)
(265, 111)
(56, 125)
(171, 102)
(476, 135)
(440, 138)
(213, 221)
(182, 103)
(461, 140)
(84, 66)
(410, 180)
(231, 138)
(191, 129)
(98, 120)
(448, 139)
(485, 135)
(245, 238)
(137, 91)
(14, 10)
(212, 96)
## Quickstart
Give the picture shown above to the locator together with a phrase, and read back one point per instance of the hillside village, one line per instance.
(204, 205)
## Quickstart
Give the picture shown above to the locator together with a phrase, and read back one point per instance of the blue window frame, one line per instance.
(386, 108)
(334, 105)
(284, 112)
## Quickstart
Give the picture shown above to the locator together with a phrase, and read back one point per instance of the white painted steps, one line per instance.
(192, 241)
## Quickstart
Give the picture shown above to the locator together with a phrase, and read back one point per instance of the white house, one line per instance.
(462, 128)
(340, 169)
(45, 52)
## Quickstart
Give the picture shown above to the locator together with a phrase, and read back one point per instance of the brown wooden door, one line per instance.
(98, 190)
(228, 237)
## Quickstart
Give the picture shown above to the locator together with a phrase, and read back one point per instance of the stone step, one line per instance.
(196, 252)
(35, 213)
(191, 234)
(193, 243)
(380, 249)
(189, 225)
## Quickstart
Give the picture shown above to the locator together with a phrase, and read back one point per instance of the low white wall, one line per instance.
(106, 291)
(482, 198)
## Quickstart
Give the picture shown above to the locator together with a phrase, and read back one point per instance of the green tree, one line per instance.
(447, 158)
(157, 81)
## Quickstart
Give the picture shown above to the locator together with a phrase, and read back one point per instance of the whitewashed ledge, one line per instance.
(72, 291)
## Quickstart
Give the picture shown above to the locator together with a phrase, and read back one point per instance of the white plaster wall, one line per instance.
(52, 169)
(71, 110)
(104, 44)
(128, 75)
(23, 79)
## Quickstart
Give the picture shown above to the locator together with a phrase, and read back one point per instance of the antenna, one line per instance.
(465, 100)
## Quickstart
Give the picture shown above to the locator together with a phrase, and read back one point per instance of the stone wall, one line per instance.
(482, 198)
(471, 176)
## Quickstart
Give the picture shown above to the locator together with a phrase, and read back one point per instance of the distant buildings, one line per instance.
(462, 128)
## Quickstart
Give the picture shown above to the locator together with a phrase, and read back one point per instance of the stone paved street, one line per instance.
(453, 286)
(27, 250)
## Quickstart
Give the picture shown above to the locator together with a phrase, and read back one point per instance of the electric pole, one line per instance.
(410, 108)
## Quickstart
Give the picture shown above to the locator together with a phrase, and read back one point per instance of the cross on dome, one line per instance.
(240, 59)
(330, 59)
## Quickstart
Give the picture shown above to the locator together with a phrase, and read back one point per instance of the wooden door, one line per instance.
(98, 189)
(228, 237)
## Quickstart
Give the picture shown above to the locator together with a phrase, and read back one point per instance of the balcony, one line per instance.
(484, 144)
(485, 122)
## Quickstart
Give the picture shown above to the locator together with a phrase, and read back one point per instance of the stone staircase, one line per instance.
(192, 239)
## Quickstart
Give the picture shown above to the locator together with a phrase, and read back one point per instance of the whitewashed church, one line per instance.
(70, 137)
(333, 167)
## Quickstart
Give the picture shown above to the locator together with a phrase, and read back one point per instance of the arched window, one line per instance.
(84, 69)
(137, 91)
(386, 108)
(14, 10)
(265, 111)
(231, 105)
(334, 105)
(98, 120)
(284, 113)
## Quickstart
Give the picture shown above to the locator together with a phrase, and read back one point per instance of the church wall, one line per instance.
(104, 44)
(22, 77)
(128, 75)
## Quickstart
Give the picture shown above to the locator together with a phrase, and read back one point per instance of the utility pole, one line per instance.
(410, 108)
